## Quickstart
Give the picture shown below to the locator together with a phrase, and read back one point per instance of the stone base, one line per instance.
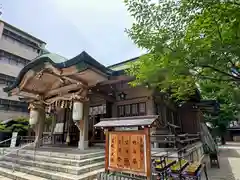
(82, 145)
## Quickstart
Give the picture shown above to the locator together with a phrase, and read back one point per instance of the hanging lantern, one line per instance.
(34, 115)
(77, 113)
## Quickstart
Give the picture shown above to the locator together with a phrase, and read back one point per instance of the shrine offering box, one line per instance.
(128, 147)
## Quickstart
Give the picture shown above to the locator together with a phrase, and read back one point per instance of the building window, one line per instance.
(6, 79)
(12, 59)
(10, 105)
(121, 111)
(142, 108)
(128, 110)
(96, 110)
(136, 109)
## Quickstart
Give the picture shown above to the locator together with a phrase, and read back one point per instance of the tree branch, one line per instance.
(215, 79)
(220, 37)
(221, 72)
(234, 2)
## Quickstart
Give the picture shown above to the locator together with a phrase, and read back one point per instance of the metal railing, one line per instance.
(6, 140)
(26, 139)
(186, 153)
(15, 151)
(176, 141)
(5, 144)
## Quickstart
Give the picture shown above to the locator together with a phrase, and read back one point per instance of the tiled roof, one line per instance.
(127, 121)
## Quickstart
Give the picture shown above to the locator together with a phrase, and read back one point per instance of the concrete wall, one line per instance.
(10, 70)
(17, 48)
(1, 29)
(4, 115)
(14, 47)
(4, 95)
(10, 45)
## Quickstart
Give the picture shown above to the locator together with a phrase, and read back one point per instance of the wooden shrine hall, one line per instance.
(81, 91)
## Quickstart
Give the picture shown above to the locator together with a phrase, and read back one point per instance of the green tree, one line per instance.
(19, 125)
(188, 42)
(228, 97)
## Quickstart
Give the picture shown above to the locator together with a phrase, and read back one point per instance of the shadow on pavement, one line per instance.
(229, 166)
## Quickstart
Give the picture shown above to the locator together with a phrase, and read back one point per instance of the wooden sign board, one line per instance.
(126, 128)
(127, 152)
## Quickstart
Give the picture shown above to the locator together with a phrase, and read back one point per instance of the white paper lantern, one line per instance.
(77, 113)
(34, 115)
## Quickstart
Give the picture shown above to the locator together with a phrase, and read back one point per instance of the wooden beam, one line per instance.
(73, 77)
(18, 92)
(66, 97)
(115, 81)
(29, 95)
(54, 70)
(30, 74)
(70, 79)
(63, 90)
(103, 95)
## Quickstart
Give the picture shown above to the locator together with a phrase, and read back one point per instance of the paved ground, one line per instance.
(4, 178)
(229, 163)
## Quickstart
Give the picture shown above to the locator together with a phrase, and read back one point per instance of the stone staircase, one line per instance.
(43, 165)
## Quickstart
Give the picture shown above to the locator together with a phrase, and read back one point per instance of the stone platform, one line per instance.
(52, 163)
(65, 163)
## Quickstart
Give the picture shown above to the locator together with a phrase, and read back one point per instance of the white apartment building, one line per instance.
(17, 48)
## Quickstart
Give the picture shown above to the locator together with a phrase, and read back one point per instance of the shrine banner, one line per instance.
(127, 152)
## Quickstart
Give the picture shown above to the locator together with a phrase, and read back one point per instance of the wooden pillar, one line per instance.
(53, 127)
(39, 127)
(148, 153)
(83, 139)
(106, 150)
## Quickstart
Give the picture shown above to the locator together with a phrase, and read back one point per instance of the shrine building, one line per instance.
(80, 91)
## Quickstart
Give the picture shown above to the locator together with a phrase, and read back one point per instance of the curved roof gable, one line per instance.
(82, 61)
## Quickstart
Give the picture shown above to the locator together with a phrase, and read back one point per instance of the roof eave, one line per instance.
(81, 60)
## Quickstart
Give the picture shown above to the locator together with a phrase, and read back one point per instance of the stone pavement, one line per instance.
(4, 178)
(229, 163)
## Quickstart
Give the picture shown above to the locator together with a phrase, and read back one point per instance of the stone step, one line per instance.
(56, 160)
(4, 178)
(9, 174)
(91, 175)
(48, 174)
(75, 156)
(56, 167)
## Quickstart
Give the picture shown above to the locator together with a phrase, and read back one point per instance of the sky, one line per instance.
(71, 26)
